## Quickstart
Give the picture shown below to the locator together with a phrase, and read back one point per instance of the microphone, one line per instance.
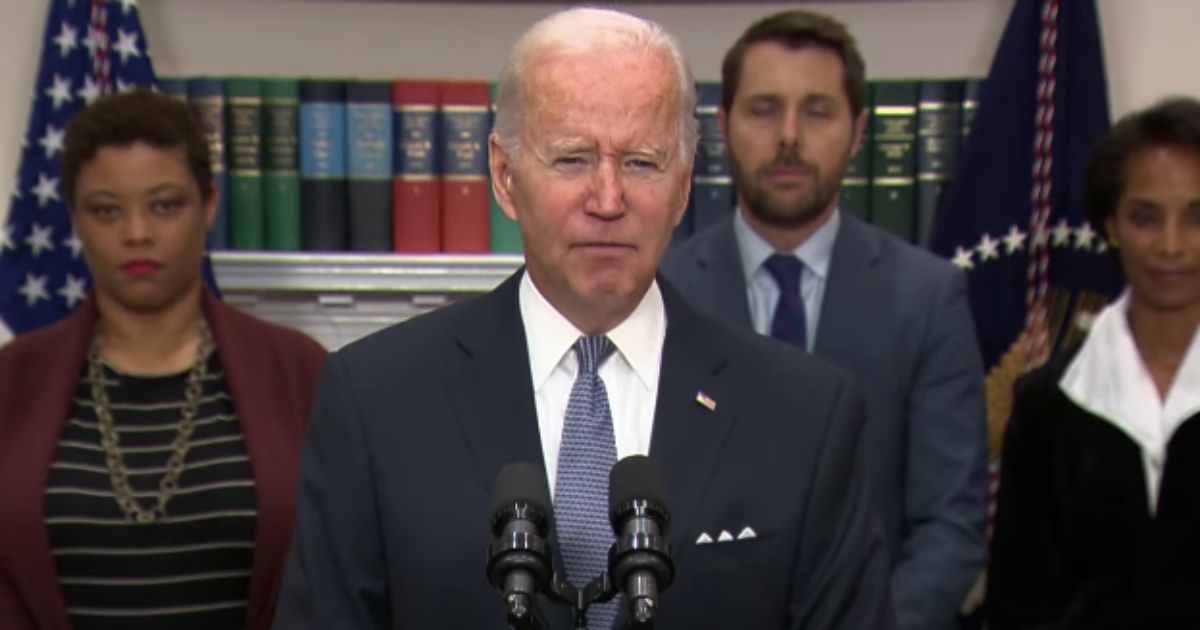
(519, 556)
(640, 560)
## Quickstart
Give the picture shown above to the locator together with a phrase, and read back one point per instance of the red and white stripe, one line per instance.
(101, 59)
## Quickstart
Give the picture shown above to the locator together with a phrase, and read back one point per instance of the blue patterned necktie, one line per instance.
(586, 456)
(790, 323)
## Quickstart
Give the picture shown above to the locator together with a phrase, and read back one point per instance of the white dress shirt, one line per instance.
(762, 291)
(1109, 379)
(630, 374)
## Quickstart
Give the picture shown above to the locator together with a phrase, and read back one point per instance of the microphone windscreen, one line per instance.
(635, 477)
(521, 482)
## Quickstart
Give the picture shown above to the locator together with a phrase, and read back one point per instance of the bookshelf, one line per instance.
(335, 297)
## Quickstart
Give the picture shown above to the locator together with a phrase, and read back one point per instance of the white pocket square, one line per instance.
(747, 533)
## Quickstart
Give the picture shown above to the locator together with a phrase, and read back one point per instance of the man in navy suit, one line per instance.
(788, 263)
(759, 443)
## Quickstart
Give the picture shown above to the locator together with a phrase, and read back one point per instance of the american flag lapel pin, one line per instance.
(706, 401)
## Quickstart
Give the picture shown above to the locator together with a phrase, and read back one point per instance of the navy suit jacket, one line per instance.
(898, 319)
(412, 424)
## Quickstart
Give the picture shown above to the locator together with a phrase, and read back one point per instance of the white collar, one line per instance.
(549, 335)
(1109, 379)
(815, 252)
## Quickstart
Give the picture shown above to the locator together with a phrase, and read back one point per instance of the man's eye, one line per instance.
(641, 164)
(569, 161)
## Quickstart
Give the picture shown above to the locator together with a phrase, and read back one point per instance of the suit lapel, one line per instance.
(272, 447)
(492, 390)
(38, 434)
(688, 434)
(844, 316)
(719, 285)
(493, 393)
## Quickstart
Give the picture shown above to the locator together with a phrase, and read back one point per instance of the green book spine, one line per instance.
(856, 182)
(281, 102)
(893, 164)
(244, 110)
(505, 233)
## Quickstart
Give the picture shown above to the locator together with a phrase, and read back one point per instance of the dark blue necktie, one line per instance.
(586, 455)
(790, 323)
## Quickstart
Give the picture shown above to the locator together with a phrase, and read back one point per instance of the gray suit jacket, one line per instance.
(898, 319)
(412, 424)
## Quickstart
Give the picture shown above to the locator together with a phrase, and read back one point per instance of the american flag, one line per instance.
(1013, 216)
(90, 47)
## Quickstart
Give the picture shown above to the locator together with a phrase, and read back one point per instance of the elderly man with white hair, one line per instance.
(584, 357)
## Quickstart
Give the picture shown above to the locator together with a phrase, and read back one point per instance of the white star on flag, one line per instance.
(1084, 235)
(66, 40)
(52, 141)
(74, 244)
(126, 45)
(16, 187)
(988, 248)
(60, 92)
(46, 190)
(34, 289)
(73, 290)
(1014, 240)
(127, 5)
(39, 239)
(962, 259)
(1062, 233)
(90, 90)
(122, 86)
(6, 241)
(1101, 246)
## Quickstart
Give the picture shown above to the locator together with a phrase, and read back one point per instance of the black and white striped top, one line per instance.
(190, 570)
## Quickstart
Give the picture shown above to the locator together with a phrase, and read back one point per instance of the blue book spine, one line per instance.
(206, 96)
(370, 164)
(939, 121)
(323, 164)
(174, 86)
(712, 177)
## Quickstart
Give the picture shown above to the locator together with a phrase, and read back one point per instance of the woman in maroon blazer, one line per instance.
(150, 442)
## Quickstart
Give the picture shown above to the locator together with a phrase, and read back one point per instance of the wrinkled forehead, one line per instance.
(630, 94)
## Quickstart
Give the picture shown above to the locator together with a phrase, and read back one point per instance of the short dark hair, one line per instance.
(797, 29)
(1174, 122)
(139, 115)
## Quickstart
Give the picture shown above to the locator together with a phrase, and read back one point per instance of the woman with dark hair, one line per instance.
(1098, 523)
(149, 442)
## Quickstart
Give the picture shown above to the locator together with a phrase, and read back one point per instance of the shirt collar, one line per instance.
(1108, 378)
(815, 252)
(549, 335)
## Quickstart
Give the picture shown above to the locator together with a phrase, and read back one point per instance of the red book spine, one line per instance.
(416, 207)
(465, 190)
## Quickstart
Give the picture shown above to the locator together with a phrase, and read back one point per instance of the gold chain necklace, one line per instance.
(117, 474)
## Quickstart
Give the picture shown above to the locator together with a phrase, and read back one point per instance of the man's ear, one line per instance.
(500, 167)
(860, 130)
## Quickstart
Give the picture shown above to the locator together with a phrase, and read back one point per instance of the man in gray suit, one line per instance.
(788, 263)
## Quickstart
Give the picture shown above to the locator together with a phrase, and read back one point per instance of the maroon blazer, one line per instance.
(272, 374)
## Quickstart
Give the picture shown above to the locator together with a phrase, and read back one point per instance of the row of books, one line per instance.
(915, 130)
(330, 165)
(401, 166)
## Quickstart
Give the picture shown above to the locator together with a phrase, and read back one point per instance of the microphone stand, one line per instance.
(600, 589)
